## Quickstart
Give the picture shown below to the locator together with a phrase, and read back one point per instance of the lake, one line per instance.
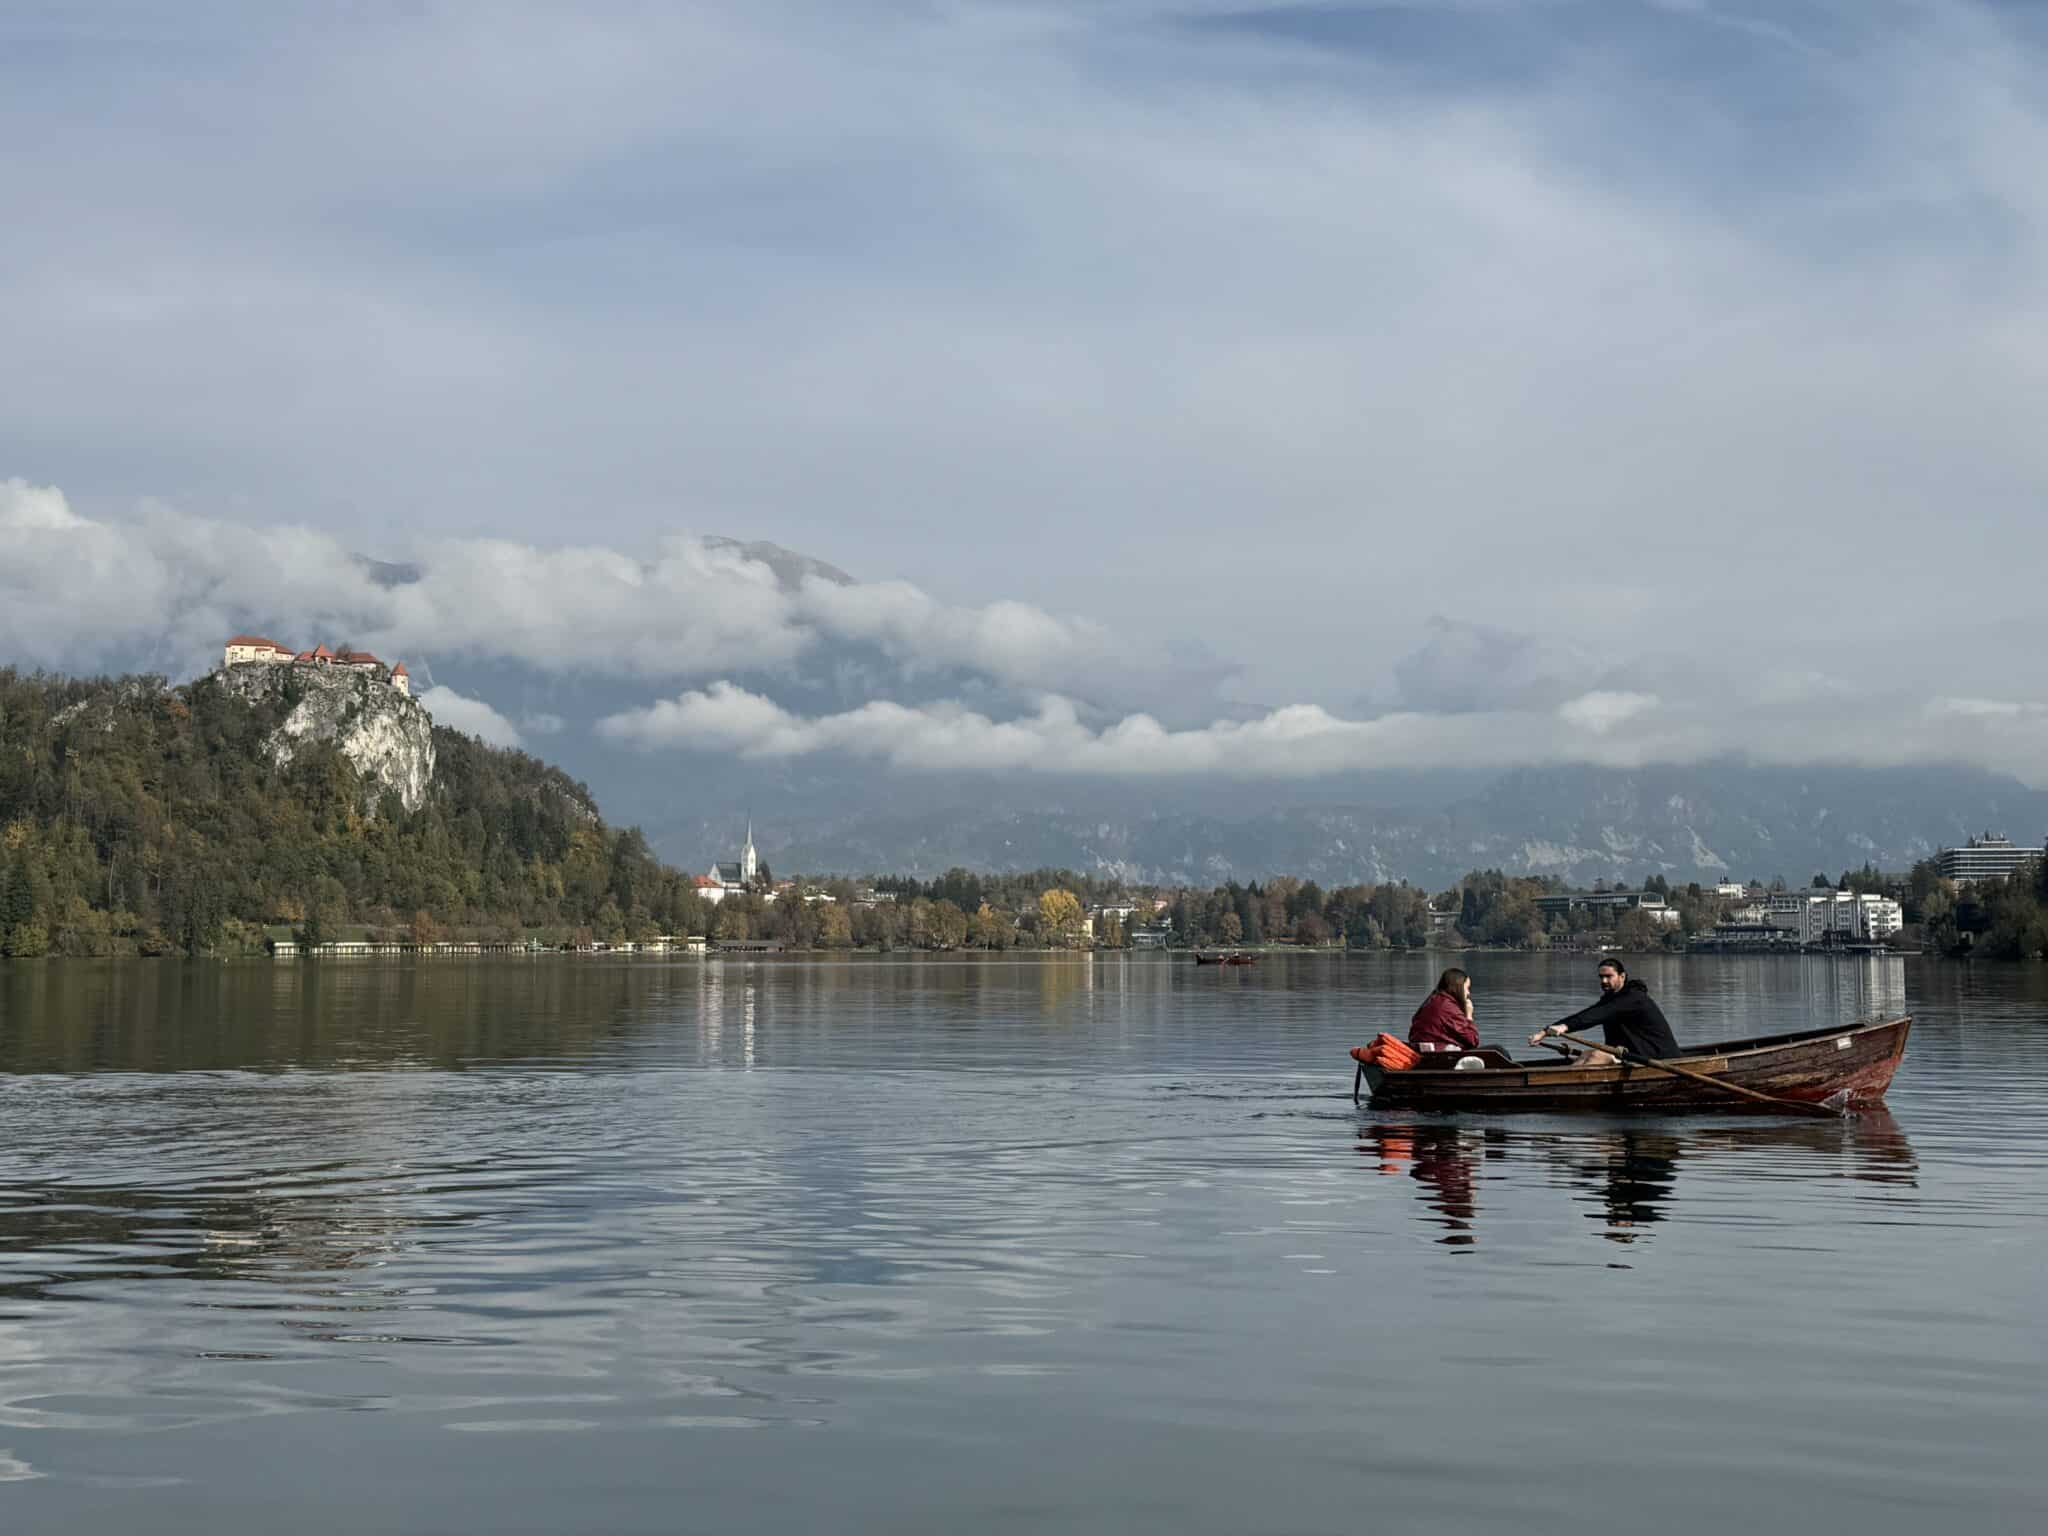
(934, 1245)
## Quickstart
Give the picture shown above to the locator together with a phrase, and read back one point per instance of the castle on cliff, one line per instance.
(255, 650)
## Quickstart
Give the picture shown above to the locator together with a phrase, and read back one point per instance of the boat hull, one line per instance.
(1843, 1068)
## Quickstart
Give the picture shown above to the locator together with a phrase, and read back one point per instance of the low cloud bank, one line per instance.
(163, 589)
(1613, 729)
(79, 592)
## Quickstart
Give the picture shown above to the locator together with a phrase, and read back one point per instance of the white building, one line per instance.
(1984, 858)
(1835, 917)
(1649, 903)
(254, 648)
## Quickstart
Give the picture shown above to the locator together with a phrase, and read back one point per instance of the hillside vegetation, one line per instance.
(140, 818)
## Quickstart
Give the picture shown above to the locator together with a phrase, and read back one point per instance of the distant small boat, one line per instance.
(1235, 958)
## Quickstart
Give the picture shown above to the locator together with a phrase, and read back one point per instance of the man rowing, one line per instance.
(1628, 1015)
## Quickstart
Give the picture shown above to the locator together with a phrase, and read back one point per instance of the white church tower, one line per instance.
(750, 862)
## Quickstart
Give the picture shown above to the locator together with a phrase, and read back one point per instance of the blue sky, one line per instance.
(1619, 342)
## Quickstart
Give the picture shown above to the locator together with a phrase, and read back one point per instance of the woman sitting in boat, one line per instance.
(1445, 1018)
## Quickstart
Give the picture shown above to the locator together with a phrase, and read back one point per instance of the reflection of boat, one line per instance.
(1629, 1174)
(1843, 1067)
(1237, 957)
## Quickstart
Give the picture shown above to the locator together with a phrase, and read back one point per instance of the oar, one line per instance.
(1796, 1106)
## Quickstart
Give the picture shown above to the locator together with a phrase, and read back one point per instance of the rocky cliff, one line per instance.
(388, 736)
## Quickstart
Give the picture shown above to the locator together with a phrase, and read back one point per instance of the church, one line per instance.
(730, 879)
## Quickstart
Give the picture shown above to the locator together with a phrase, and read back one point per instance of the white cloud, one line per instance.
(1601, 712)
(1982, 709)
(1298, 741)
(472, 716)
(78, 591)
(1306, 741)
(542, 724)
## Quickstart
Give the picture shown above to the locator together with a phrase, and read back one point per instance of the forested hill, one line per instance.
(137, 817)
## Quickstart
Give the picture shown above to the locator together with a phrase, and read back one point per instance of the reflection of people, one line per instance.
(1640, 1172)
(1444, 1163)
(1626, 1013)
(1445, 1017)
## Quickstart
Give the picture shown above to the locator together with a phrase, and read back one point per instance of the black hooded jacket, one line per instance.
(1631, 1019)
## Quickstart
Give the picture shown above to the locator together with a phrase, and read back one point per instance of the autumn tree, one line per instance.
(948, 925)
(835, 927)
(1059, 916)
(990, 929)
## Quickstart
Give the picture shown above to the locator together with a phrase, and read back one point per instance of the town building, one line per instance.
(1834, 917)
(1748, 936)
(1649, 903)
(1984, 858)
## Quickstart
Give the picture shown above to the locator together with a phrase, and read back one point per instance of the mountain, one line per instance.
(1709, 821)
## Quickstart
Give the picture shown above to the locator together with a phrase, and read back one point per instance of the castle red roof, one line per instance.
(399, 671)
(255, 640)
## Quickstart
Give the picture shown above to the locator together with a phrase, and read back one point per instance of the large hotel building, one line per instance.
(1983, 858)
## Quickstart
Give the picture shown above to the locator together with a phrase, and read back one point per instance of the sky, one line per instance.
(1194, 389)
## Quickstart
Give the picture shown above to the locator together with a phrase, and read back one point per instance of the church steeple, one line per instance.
(750, 862)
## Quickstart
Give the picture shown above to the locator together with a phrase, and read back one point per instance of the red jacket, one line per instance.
(1441, 1020)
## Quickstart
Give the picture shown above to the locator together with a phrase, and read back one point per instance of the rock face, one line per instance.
(389, 737)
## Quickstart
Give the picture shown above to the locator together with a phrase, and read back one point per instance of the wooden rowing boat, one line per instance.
(1843, 1068)
(1235, 958)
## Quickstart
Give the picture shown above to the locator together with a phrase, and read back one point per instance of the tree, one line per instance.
(835, 927)
(990, 930)
(1059, 916)
(1309, 928)
(1638, 930)
(949, 925)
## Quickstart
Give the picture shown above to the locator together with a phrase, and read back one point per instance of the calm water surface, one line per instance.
(1076, 1245)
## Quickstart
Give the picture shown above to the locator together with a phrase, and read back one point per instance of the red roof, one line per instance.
(255, 640)
(359, 658)
(703, 882)
(399, 671)
(321, 650)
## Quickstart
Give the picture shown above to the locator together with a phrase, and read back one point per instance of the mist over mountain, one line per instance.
(1716, 820)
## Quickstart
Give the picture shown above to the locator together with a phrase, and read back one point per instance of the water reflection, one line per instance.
(1443, 1160)
(1627, 1174)
(1632, 1174)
